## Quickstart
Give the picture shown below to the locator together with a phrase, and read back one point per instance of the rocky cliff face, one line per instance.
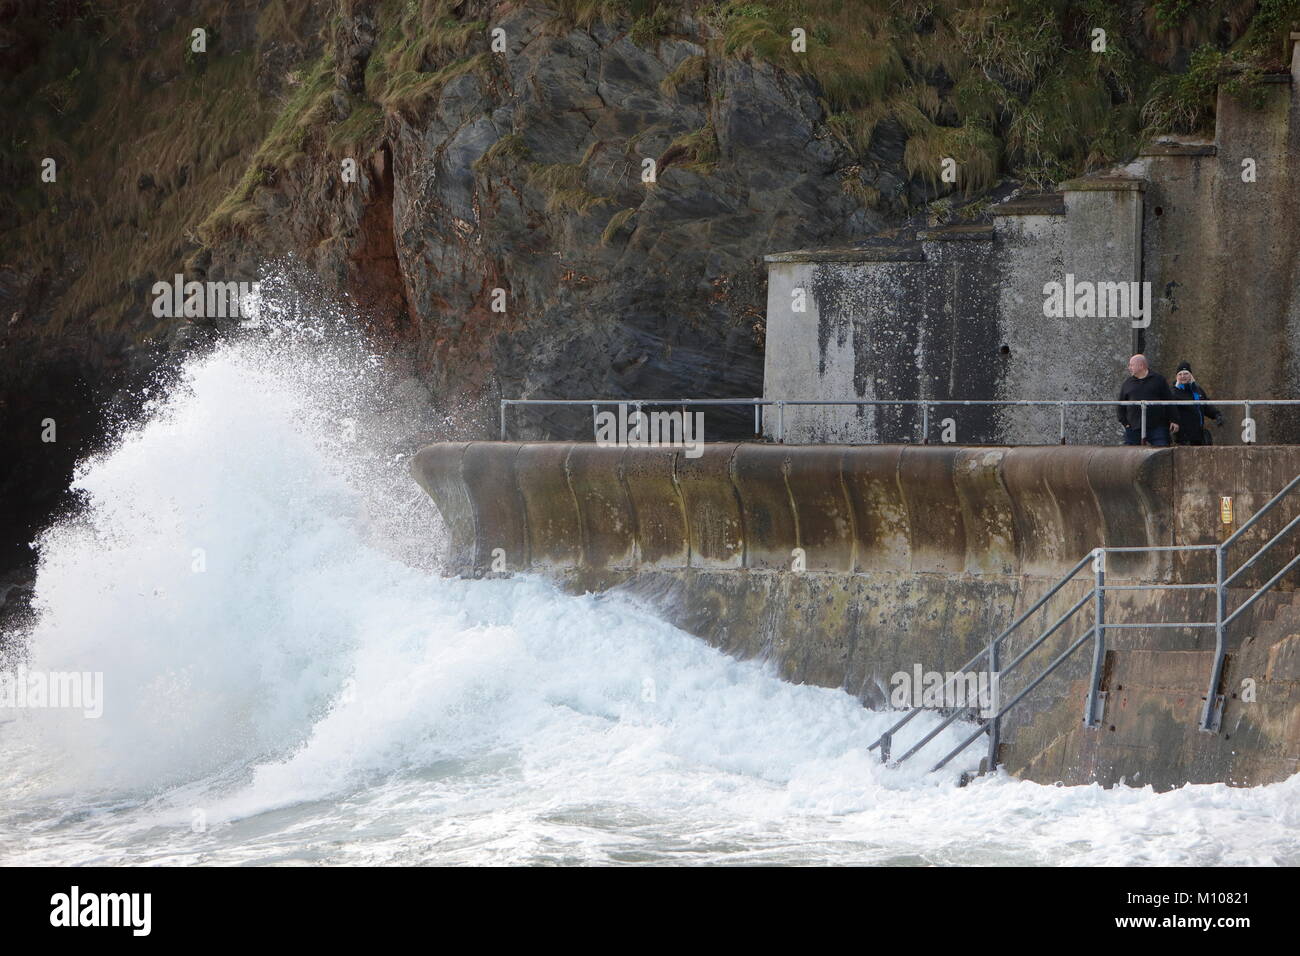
(525, 174)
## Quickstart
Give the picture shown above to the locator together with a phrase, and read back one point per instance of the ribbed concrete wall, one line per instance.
(918, 555)
(851, 509)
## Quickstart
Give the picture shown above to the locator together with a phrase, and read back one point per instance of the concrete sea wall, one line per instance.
(918, 555)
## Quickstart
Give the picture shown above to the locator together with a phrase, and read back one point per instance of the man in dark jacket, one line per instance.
(1144, 385)
(1190, 419)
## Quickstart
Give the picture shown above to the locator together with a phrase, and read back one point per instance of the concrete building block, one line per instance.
(713, 515)
(824, 516)
(554, 531)
(606, 519)
(957, 315)
(650, 478)
(766, 509)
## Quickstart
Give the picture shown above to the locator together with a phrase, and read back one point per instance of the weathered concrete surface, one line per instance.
(1098, 239)
(920, 555)
(947, 509)
(1223, 254)
(956, 314)
(851, 327)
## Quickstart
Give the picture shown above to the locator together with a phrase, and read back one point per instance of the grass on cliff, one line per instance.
(503, 154)
(283, 147)
(697, 151)
(960, 80)
(586, 13)
(421, 47)
(565, 185)
(1012, 86)
(147, 136)
(691, 70)
(615, 225)
(1003, 87)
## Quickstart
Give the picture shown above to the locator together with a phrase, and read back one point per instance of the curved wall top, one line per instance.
(851, 509)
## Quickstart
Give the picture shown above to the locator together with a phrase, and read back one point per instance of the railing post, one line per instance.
(1092, 715)
(1143, 437)
(995, 722)
(1062, 406)
(758, 419)
(595, 425)
(780, 422)
(503, 419)
(1245, 416)
(925, 423)
(1212, 713)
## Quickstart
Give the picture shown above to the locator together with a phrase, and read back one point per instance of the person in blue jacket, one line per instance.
(1188, 421)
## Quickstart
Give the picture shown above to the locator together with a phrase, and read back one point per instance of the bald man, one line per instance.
(1144, 385)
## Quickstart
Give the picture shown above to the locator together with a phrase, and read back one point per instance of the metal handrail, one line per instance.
(1290, 486)
(1262, 588)
(1069, 575)
(1212, 713)
(924, 403)
(1009, 668)
(1163, 547)
(992, 726)
(1015, 700)
(1258, 554)
(1159, 587)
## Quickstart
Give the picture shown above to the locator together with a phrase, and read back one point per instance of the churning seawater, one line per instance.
(287, 679)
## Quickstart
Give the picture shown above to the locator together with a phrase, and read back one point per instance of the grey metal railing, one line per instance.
(760, 404)
(1212, 712)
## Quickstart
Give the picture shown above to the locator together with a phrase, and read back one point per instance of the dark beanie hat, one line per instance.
(1184, 367)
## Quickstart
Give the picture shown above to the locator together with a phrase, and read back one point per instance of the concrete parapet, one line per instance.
(555, 536)
(606, 518)
(714, 525)
(937, 509)
(500, 525)
(437, 470)
(770, 533)
(823, 512)
(662, 536)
